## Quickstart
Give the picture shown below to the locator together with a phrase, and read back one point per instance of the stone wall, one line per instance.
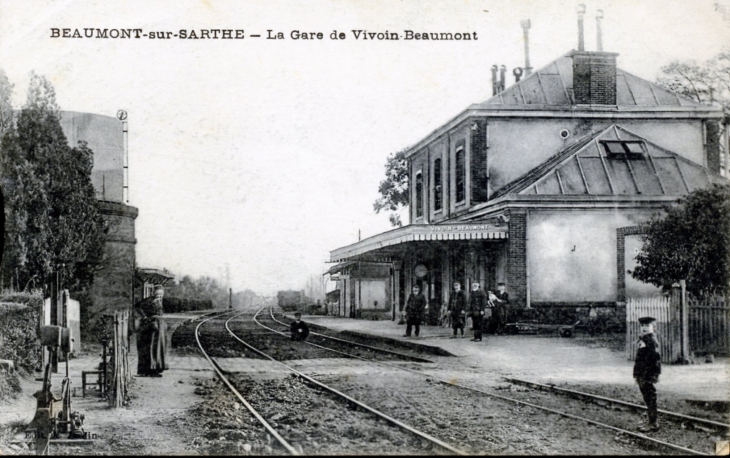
(112, 288)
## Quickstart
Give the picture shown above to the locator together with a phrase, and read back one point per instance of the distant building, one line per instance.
(542, 187)
(113, 285)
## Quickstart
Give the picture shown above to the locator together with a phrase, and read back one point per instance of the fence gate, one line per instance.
(708, 326)
(666, 328)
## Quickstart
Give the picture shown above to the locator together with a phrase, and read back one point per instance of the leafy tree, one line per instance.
(704, 82)
(692, 242)
(6, 107)
(394, 188)
(53, 219)
(202, 288)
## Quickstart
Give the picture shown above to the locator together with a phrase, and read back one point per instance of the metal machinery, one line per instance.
(53, 416)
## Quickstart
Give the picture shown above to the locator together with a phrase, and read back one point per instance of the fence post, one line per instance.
(684, 324)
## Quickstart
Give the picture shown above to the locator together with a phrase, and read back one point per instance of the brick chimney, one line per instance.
(594, 78)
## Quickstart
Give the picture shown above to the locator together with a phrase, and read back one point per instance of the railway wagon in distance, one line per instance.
(291, 300)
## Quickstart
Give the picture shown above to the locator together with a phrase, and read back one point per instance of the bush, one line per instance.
(19, 339)
(9, 385)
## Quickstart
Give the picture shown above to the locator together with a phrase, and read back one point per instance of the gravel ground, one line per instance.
(312, 421)
(681, 433)
(473, 422)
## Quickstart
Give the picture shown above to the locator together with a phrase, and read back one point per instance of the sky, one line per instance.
(264, 155)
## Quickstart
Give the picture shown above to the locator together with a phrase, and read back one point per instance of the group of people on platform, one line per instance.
(487, 311)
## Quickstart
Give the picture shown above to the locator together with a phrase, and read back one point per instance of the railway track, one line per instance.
(350, 402)
(287, 446)
(722, 427)
(664, 444)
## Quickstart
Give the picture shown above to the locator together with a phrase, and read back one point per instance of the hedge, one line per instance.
(19, 339)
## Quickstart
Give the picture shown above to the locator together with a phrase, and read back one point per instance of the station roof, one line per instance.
(549, 92)
(552, 86)
(613, 161)
(419, 232)
(154, 276)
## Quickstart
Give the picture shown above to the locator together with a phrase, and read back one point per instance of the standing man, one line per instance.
(477, 306)
(415, 307)
(647, 368)
(299, 329)
(457, 309)
(150, 335)
(501, 301)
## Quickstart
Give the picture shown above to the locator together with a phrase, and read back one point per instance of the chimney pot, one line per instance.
(581, 10)
(525, 24)
(599, 31)
(495, 83)
(502, 81)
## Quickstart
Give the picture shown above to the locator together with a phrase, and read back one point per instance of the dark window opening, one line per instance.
(419, 195)
(460, 176)
(624, 149)
(437, 189)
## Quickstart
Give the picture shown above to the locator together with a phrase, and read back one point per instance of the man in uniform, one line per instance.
(150, 335)
(477, 306)
(647, 368)
(457, 309)
(299, 329)
(415, 307)
(500, 301)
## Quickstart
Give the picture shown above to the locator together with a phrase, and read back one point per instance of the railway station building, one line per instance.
(542, 187)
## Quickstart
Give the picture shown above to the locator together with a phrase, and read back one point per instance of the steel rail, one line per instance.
(250, 408)
(381, 350)
(715, 424)
(420, 360)
(587, 420)
(350, 399)
(575, 417)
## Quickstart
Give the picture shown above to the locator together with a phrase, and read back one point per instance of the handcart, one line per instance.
(534, 327)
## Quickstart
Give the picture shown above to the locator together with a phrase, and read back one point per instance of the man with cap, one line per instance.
(500, 300)
(477, 307)
(416, 305)
(647, 368)
(151, 335)
(299, 329)
(457, 309)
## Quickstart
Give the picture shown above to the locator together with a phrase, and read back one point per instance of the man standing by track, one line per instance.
(151, 335)
(647, 368)
(477, 306)
(415, 308)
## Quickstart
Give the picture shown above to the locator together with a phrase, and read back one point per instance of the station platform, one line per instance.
(547, 359)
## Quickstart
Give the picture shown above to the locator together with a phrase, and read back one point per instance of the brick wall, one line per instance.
(594, 78)
(478, 165)
(516, 271)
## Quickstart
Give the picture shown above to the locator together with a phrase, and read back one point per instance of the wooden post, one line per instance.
(684, 356)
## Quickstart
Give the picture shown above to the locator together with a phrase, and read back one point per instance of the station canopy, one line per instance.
(388, 245)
